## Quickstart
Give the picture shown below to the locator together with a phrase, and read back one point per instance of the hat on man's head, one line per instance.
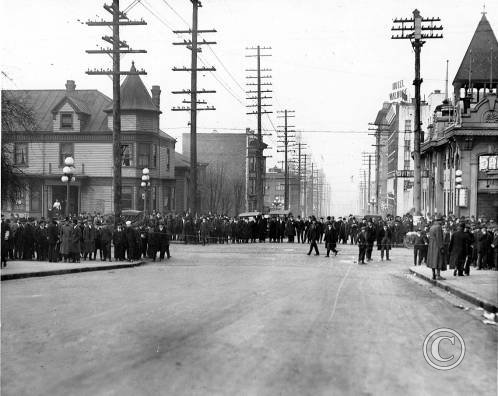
(128, 223)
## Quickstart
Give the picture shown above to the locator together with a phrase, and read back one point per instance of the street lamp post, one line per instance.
(67, 178)
(145, 184)
(277, 202)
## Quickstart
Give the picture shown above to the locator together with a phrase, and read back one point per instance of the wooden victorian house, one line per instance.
(78, 123)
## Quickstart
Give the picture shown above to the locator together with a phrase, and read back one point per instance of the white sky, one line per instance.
(333, 62)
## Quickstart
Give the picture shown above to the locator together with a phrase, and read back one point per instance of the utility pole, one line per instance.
(377, 146)
(305, 189)
(193, 45)
(411, 29)
(119, 47)
(259, 105)
(286, 141)
(367, 161)
(312, 187)
(299, 149)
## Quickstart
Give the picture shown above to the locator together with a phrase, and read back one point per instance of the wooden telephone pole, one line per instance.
(119, 47)
(299, 175)
(286, 140)
(193, 45)
(259, 105)
(412, 29)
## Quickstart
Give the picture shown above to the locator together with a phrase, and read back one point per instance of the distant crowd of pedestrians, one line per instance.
(461, 242)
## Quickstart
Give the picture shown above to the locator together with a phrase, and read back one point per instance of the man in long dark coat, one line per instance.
(75, 243)
(52, 237)
(435, 251)
(458, 248)
(106, 234)
(313, 237)
(330, 239)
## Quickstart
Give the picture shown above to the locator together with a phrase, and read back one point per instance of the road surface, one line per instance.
(255, 319)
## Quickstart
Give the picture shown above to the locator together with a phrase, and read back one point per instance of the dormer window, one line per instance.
(66, 120)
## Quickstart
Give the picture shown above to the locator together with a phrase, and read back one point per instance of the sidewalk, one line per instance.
(480, 288)
(28, 269)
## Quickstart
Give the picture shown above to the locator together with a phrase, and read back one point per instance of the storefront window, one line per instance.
(488, 162)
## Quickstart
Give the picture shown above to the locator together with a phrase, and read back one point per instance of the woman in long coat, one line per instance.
(435, 251)
(66, 232)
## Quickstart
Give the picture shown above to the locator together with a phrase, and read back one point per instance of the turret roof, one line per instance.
(134, 95)
(478, 55)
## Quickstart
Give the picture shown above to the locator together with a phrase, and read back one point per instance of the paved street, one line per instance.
(259, 319)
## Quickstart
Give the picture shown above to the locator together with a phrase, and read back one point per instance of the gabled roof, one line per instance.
(42, 102)
(134, 95)
(479, 53)
(78, 105)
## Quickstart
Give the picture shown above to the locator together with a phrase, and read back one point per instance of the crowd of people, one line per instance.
(457, 243)
(461, 242)
(81, 238)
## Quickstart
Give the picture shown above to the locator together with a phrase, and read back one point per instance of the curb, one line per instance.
(488, 306)
(65, 271)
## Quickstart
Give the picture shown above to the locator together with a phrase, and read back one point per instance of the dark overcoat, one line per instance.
(459, 245)
(435, 251)
(66, 232)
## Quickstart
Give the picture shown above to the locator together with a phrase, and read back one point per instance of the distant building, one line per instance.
(275, 190)
(78, 123)
(230, 157)
(396, 122)
(463, 137)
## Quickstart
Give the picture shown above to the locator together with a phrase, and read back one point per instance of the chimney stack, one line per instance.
(156, 96)
(70, 86)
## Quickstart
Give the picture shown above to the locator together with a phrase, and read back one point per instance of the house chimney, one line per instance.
(70, 86)
(156, 96)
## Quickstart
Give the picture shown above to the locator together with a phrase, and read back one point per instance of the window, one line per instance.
(252, 164)
(67, 120)
(168, 159)
(144, 155)
(280, 187)
(65, 150)
(35, 198)
(126, 197)
(252, 190)
(408, 125)
(407, 164)
(153, 163)
(126, 155)
(488, 162)
(21, 154)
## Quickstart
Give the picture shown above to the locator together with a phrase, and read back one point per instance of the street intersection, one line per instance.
(251, 319)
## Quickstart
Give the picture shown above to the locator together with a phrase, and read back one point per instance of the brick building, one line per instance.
(78, 123)
(232, 156)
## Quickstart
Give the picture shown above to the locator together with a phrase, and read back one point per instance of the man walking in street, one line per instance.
(330, 239)
(362, 245)
(313, 236)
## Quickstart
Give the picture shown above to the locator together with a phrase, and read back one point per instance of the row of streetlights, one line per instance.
(68, 177)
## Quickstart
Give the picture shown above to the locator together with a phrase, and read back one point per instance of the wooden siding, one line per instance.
(96, 198)
(96, 159)
(147, 122)
(128, 122)
(57, 121)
